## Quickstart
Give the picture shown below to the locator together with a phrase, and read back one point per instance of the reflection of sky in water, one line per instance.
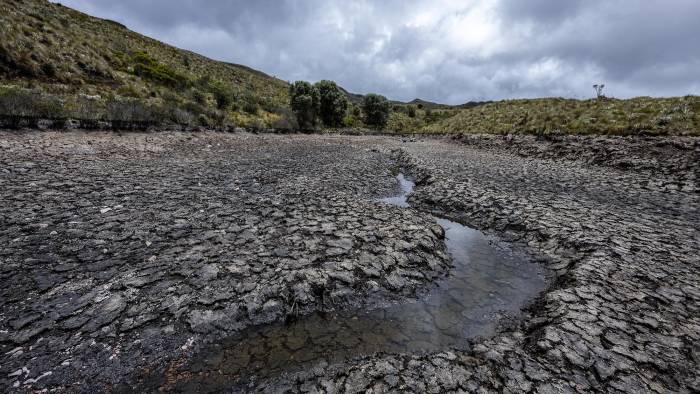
(406, 188)
(485, 283)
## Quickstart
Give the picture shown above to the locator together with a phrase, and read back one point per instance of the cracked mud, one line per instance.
(124, 256)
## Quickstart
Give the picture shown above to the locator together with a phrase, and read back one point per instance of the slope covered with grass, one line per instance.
(642, 115)
(54, 50)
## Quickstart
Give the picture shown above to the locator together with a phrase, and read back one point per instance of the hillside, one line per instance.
(64, 52)
(641, 115)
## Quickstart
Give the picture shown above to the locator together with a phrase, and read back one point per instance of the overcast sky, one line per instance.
(450, 51)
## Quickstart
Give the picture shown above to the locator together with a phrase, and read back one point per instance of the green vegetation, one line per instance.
(149, 68)
(324, 100)
(376, 109)
(57, 52)
(411, 111)
(305, 102)
(24, 108)
(642, 115)
(334, 103)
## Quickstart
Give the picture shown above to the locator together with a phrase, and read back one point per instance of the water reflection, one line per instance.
(406, 187)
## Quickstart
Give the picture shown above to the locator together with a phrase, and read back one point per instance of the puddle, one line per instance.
(487, 282)
(406, 187)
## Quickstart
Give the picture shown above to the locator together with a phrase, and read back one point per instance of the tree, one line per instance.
(376, 109)
(333, 103)
(305, 102)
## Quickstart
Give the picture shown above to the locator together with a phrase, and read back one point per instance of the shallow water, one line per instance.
(487, 282)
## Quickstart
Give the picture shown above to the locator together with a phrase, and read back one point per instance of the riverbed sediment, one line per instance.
(123, 254)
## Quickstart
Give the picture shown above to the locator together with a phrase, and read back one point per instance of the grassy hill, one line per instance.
(54, 50)
(637, 116)
(641, 115)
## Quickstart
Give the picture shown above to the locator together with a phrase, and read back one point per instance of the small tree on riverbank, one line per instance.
(376, 108)
(333, 105)
(305, 102)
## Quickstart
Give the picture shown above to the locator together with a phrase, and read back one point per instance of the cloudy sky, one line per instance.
(448, 51)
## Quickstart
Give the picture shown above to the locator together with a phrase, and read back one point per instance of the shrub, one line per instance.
(128, 114)
(194, 108)
(286, 121)
(202, 120)
(429, 116)
(376, 109)
(18, 105)
(249, 104)
(411, 111)
(349, 121)
(256, 124)
(333, 103)
(269, 105)
(199, 97)
(223, 95)
(86, 108)
(305, 102)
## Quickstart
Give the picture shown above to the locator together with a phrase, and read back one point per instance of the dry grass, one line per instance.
(642, 115)
(62, 51)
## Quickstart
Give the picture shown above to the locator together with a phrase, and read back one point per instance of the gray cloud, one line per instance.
(443, 50)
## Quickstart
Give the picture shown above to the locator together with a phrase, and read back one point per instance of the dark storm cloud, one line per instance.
(443, 50)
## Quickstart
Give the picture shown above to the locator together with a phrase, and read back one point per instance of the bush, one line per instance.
(177, 115)
(129, 114)
(305, 102)
(349, 121)
(203, 120)
(86, 108)
(411, 111)
(199, 97)
(249, 104)
(286, 121)
(269, 105)
(333, 103)
(223, 95)
(376, 109)
(19, 105)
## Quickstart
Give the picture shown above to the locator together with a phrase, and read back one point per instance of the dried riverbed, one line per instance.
(487, 283)
(126, 257)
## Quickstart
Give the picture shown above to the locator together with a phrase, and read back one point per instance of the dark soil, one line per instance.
(122, 255)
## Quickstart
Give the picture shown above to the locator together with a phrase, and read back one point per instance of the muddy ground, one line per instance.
(123, 254)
